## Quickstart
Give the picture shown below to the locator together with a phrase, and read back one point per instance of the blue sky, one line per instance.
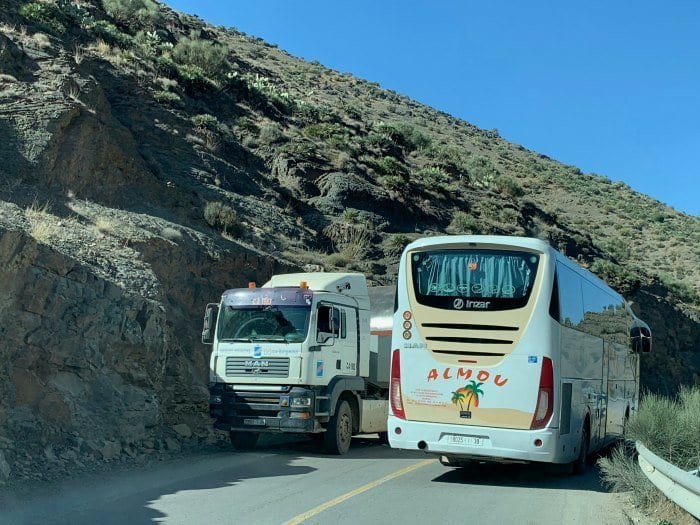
(610, 87)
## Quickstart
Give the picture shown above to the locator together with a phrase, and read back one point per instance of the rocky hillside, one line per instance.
(150, 160)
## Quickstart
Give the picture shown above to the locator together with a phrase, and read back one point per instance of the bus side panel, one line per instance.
(582, 365)
(622, 388)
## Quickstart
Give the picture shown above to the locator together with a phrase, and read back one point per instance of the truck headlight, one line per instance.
(301, 401)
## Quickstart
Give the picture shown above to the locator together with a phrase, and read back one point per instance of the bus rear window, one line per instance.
(473, 279)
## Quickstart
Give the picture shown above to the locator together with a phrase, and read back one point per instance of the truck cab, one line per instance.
(294, 356)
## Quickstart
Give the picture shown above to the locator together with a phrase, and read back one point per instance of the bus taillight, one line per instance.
(545, 396)
(395, 386)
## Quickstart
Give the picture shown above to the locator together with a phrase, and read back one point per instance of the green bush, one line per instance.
(622, 473)
(166, 97)
(47, 16)
(111, 34)
(397, 242)
(462, 223)
(670, 427)
(507, 186)
(134, 14)
(208, 57)
(222, 217)
(482, 172)
(205, 120)
(300, 149)
(272, 134)
(682, 289)
(263, 91)
(394, 183)
(433, 176)
(387, 166)
(404, 135)
(352, 240)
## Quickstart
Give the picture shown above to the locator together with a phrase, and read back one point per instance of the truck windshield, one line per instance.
(473, 279)
(264, 323)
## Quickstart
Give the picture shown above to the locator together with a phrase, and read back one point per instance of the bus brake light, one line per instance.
(395, 386)
(545, 396)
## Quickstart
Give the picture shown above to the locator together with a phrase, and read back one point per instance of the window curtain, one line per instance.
(475, 275)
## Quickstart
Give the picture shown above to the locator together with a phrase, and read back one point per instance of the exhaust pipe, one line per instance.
(422, 445)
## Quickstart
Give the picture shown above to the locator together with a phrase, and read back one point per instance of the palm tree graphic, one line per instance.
(469, 393)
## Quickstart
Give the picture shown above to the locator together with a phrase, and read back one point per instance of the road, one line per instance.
(290, 483)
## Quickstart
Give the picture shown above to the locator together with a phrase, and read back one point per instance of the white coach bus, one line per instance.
(504, 350)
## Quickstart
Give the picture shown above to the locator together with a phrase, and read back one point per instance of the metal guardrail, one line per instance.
(681, 487)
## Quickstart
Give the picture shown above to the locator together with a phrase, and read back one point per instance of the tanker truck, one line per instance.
(305, 353)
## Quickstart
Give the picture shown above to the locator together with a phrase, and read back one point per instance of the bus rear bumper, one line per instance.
(460, 442)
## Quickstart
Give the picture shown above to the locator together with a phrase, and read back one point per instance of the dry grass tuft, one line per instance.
(44, 226)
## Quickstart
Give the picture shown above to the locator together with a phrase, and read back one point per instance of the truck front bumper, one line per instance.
(262, 411)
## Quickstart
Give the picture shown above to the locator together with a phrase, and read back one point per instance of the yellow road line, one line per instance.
(359, 490)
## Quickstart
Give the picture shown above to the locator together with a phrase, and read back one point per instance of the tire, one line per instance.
(339, 433)
(244, 440)
(580, 464)
(383, 437)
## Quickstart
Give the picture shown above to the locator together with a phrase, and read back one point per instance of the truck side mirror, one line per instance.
(323, 337)
(210, 316)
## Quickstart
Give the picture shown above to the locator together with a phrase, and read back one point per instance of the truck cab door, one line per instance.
(336, 337)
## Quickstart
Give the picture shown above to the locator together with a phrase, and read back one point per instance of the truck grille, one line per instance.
(258, 366)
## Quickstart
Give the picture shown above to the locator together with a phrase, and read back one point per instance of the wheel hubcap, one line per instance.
(344, 428)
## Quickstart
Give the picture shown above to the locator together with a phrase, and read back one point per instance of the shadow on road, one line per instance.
(133, 496)
(524, 476)
(362, 447)
(126, 497)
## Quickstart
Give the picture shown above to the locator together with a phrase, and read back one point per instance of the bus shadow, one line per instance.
(551, 477)
(362, 447)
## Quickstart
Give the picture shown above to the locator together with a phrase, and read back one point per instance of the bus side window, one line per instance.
(554, 300)
(570, 300)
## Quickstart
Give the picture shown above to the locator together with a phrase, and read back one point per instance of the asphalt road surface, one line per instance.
(291, 483)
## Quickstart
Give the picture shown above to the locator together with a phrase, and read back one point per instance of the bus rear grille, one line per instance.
(473, 340)
(262, 367)
(460, 326)
(473, 354)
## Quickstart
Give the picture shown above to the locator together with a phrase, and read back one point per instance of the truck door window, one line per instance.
(329, 321)
(335, 322)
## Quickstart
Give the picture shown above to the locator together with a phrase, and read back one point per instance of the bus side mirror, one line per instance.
(640, 339)
(210, 316)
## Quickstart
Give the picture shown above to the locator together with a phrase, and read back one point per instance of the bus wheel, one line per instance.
(244, 440)
(339, 432)
(581, 462)
(383, 437)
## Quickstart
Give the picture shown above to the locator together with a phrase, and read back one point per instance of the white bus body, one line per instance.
(504, 350)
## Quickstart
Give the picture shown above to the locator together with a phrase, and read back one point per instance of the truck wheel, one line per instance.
(244, 440)
(339, 432)
(580, 464)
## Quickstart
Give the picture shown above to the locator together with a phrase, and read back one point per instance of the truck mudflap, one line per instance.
(292, 410)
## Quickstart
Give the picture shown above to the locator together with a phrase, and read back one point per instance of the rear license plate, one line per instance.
(254, 422)
(472, 441)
